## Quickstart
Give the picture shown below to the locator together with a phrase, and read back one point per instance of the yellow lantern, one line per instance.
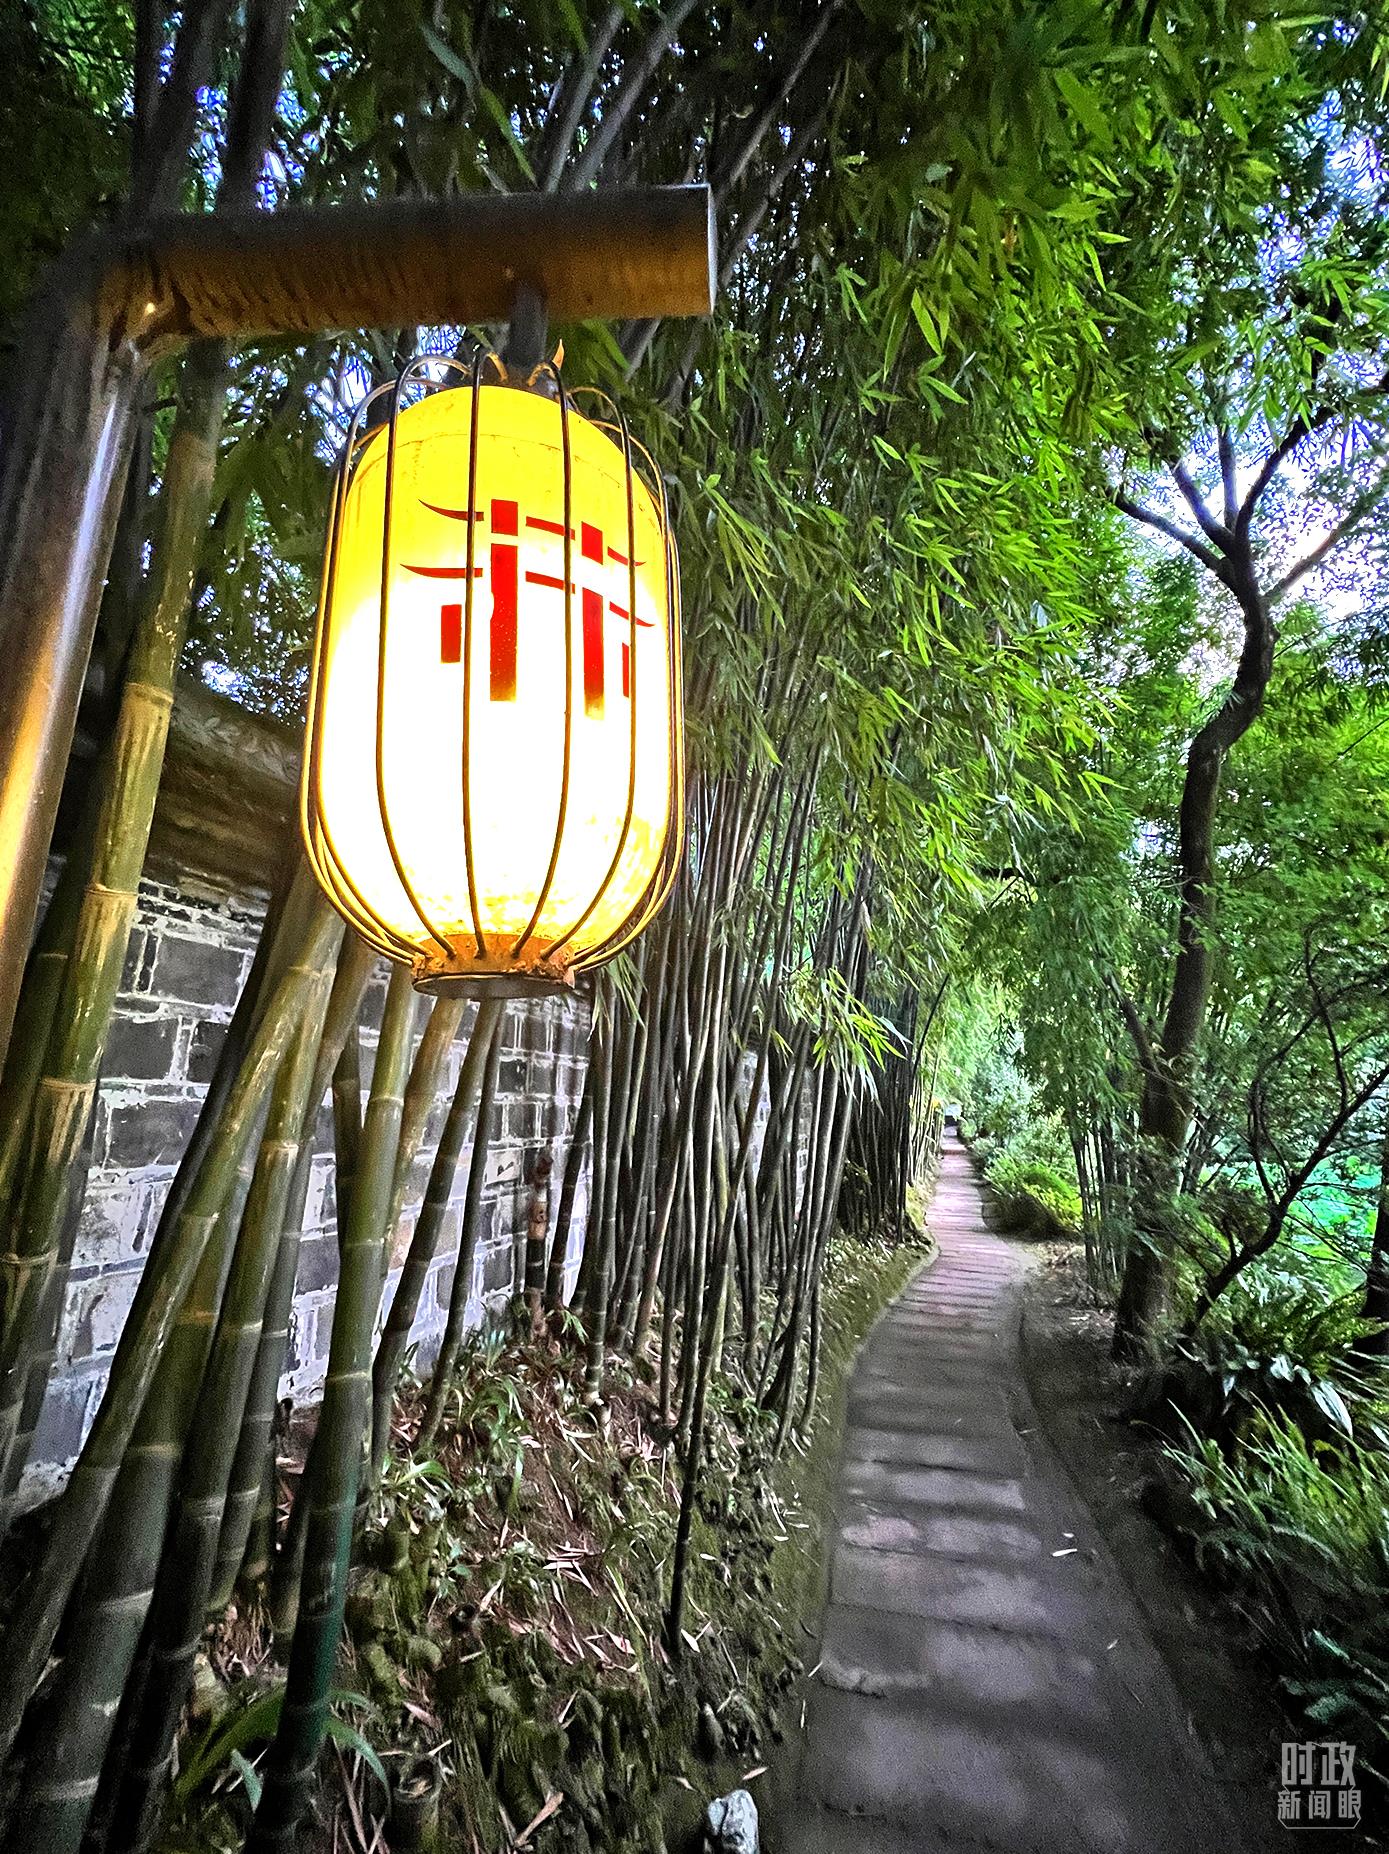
(493, 775)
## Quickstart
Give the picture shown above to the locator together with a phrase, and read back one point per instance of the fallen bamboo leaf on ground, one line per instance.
(543, 1814)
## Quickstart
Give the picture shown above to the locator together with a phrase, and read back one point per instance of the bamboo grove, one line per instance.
(883, 583)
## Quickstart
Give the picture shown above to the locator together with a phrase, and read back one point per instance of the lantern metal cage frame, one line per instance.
(496, 963)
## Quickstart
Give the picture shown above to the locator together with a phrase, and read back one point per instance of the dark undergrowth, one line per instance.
(505, 1674)
(1263, 1454)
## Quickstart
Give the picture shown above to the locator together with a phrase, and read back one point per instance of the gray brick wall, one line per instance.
(188, 958)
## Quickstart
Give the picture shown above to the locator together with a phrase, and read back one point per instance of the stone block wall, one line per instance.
(188, 959)
(224, 823)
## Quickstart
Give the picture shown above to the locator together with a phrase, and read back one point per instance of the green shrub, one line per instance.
(998, 1102)
(1274, 1342)
(1300, 1531)
(1034, 1195)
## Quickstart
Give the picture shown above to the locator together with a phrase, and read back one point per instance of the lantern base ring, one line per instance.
(478, 978)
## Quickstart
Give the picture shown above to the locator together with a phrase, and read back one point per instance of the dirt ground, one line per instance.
(1230, 1696)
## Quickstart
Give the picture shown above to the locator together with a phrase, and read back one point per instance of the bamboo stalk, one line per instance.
(164, 129)
(467, 1239)
(706, 1356)
(424, 1243)
(259, 1551)
(174, 1259)
(702, 1235)
(339, 1442)
(600, 1068)
(287, 1563)
(537, 1227)
(652, 1139)
(38, 1002)
(189, 1557)
(347, 1125)
(569, 1185)
(80, 1707)
(118, 1585)
(421, 1092)
(287, 1575)
(679, 1164)
(592, 1289)
(827, 1214)
(63, 1094)
(256, 1444)
(45, 1338)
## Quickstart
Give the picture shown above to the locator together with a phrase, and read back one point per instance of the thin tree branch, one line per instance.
(631, 86)
(730, 174)
(251, 126)
(1137, 1029)
(1302, 427)
(1150, 518)
(1217, 1283)
(1332, 1132)
(1324, 1016)
(164, 147)
(1347, 525)
(1196, 502)
(149, 20)
(1228, 477)
(637, 338)
(580, 93)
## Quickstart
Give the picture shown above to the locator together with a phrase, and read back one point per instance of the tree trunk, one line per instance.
(1167, 1104)
(1376, 1345)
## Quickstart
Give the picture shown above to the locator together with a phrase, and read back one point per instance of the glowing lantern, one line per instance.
(493, 781)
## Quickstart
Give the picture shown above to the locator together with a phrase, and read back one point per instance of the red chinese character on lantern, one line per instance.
(503, 573)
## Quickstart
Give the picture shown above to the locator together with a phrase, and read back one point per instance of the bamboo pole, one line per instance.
(569, 1186)
(55, 1105)
(467, 1240)
(705, 1351)
(421, 1092)
(424, 1243)
(118, 1584)
(263, 972)
(174, 1259)
(38, 1001)
(189, 1557)
(340, 1440)
(593, 1276)
(44, 1341)
(255, 1447)
(347, 1126)
(64, 1092)
(537, 1228)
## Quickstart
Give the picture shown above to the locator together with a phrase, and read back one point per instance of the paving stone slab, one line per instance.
(924, 1448)
(950, 1488)
(871, 1527)
(1018, 1790)
(928, 1361)
(966, 1665)
(949, 1408)
(985, 1685)
(961, 1590)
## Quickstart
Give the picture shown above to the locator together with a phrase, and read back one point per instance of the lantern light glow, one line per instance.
(493, 775)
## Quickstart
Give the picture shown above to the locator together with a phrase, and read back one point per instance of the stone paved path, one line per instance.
(978, 1690)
